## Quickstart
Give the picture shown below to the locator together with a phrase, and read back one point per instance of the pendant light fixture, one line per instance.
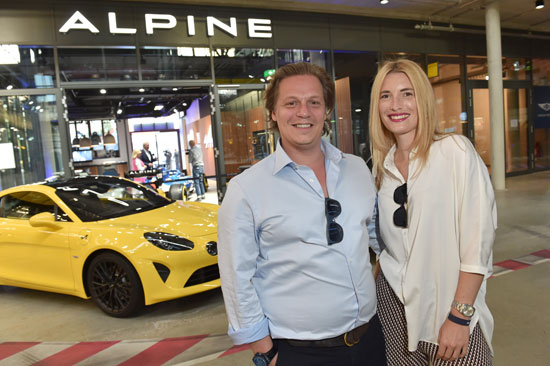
(539, 4)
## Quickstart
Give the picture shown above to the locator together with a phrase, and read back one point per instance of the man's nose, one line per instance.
(303, 110)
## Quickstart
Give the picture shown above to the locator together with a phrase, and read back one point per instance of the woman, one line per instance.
(437, 220)
(137, 164)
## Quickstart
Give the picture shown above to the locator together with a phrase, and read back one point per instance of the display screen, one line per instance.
(82, 155)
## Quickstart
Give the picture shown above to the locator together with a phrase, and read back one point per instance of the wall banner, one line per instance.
(541, 106)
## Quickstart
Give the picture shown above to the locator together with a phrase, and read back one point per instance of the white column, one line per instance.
(496, 95)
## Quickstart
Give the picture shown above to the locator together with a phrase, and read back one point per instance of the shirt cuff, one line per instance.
(472, 268)
(250, 334)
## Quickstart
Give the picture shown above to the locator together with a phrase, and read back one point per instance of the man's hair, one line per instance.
(300, 68)
(426, 131)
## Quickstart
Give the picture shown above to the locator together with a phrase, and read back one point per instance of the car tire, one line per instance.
(176, 192)
(114, 285)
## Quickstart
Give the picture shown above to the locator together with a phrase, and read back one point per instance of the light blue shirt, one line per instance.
(279, 275)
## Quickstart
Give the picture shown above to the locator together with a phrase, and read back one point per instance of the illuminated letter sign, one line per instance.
(150, 25)
(231, 29)
(78, 21)
(113, 28)
(257, 26)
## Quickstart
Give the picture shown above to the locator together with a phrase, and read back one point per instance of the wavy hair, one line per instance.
(300, 68)
(427, 130)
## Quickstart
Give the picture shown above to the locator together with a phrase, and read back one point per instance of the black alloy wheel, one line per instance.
(114, 285)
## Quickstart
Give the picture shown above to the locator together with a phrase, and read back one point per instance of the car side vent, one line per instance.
(162, 270)
(203, 275)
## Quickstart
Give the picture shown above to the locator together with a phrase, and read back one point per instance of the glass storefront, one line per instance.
(541, 113)
(26, 67)
(29, 139)
(247, 139)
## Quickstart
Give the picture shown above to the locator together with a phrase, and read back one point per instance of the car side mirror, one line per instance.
(44, 219)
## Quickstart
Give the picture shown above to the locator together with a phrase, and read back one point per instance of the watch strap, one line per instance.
(457, 320)
(269, 355)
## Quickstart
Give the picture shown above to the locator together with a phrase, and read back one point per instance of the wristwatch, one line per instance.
(464, 309)
(263, 359)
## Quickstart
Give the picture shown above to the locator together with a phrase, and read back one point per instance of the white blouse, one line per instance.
(451, 228)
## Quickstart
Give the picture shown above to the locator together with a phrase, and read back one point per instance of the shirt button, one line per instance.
(310, 180)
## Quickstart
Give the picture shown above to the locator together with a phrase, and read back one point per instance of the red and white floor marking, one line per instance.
(181, 351)
(510, 265)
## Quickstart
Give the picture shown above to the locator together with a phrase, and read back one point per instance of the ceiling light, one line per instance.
(85, 142)
(539, 4)
(96, 140)
(159, 107)
(174, 89)
(184, 104)
(9, 87)
(119, 111)
(141, 90)
(103, 91)
(109, 139)
(384, 2)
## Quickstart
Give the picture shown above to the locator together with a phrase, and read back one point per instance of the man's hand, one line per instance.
(263, 346)
(453, 341)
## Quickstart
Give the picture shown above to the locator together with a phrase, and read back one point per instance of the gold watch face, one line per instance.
(464, 309)
(467, 310)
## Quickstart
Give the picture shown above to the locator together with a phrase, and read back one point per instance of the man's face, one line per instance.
(300, 112)
(146, 146)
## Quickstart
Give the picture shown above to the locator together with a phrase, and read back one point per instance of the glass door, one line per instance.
(30, 143)
(245, 134)
(516, 127)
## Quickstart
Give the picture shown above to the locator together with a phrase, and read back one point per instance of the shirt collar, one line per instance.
(282, 159)
(389, 162)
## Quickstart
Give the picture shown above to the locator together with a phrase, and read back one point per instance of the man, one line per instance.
(146, 156)
(195, 159)
(293, 239)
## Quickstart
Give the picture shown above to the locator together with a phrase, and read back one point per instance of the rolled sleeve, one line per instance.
(250, 334)
(238, 252)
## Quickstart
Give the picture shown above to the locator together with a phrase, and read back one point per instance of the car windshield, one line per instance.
(99, 198)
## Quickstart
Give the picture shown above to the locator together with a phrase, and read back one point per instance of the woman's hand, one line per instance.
(453, 341)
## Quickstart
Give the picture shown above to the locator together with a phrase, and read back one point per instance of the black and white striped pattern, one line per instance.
(392, 316)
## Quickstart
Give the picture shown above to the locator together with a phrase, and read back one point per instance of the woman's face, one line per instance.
(397, 106)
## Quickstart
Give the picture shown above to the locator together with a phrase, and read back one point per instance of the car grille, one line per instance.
(203, 275)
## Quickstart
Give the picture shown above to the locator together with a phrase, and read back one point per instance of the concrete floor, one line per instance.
(519, 301)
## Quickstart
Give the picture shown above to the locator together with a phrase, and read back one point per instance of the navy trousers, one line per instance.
(370, 351)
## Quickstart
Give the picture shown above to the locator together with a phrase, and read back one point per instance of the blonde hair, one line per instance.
(427, 130)
(136, 153)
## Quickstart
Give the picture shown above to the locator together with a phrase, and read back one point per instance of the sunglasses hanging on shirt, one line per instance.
(400, 197)
(335, 233)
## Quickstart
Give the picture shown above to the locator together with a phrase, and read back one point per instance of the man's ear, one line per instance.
(273, 116)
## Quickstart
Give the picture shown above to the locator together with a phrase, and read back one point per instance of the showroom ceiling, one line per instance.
(514, 14)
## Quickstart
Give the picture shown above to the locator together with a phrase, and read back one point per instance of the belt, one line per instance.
(349, 339)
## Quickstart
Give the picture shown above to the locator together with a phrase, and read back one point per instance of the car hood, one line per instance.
(187, 219)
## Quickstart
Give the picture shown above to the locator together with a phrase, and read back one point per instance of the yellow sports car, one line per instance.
(107, 238)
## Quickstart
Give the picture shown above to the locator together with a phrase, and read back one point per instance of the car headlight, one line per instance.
(168, 241)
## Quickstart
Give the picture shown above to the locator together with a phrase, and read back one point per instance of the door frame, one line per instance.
(507, 84)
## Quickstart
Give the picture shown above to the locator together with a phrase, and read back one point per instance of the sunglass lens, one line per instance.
(335, 233)
(332, 207)
(400, 217)
(400, 194)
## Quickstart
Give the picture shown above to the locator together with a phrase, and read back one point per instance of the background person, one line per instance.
(197, 164)
(293, 239)
(137, 164)
(147, 156)
(437, 220)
